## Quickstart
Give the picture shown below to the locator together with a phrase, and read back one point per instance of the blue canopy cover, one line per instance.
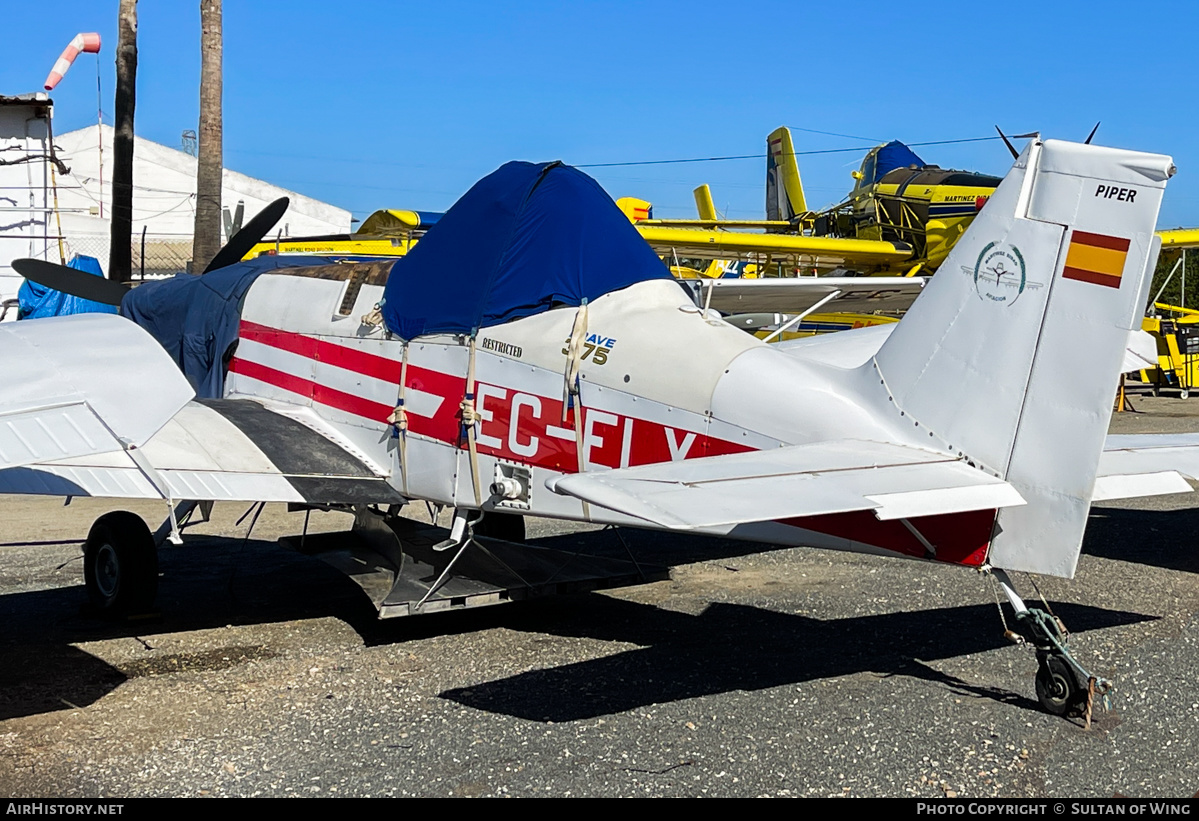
(521, 240)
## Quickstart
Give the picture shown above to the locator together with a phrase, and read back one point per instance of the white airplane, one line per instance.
(533, 356)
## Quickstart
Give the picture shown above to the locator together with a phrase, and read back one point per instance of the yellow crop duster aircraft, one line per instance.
(902, 216)
(387, 233)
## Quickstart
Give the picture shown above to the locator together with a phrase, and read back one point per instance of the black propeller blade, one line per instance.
(250, 235)
(1092, 134)
(1032, 135)
(1008, 143)
(71, 281)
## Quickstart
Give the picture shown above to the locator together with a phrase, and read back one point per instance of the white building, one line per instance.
(164, 196)
(25, 185)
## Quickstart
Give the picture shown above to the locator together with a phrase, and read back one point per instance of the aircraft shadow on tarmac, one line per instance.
(735, 647)
(212, 582)
(1159, 538)
(218, 581)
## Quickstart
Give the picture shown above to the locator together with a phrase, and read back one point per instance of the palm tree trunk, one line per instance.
(120, 252)
(207, 239)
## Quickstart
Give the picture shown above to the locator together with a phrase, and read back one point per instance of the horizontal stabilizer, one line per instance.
(801, 480)
(798, 294)
(1154, 464)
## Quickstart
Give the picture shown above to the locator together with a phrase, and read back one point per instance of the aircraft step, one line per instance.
(394, 562)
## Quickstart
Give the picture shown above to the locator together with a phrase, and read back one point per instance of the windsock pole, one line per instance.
(88, 42)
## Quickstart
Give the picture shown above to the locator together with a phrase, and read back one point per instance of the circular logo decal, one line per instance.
(999, 274)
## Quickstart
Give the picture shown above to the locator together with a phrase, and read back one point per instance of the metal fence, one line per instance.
(154, 255)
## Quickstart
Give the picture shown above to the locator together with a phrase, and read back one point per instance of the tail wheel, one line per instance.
(1057, 688)
(120, 564)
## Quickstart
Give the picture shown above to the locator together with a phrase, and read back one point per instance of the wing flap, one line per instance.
(792, 482)
(52, 432)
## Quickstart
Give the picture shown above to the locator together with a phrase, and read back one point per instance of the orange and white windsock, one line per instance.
(89, 42)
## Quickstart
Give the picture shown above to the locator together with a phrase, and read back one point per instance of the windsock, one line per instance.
(89, 42)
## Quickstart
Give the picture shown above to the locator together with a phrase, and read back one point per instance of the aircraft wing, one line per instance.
(894, 481)
(794, 295)
(824, 252)
(1150, 464)
(121, 421)
(219, 450)
(1176, 238)
(59, 398)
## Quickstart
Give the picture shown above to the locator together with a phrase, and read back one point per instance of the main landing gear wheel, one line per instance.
(120, 565)
(1057, 685)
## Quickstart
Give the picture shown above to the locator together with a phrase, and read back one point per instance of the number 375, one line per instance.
(598, 355)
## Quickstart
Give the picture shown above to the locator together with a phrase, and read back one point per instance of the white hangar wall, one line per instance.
(164, 200)
(25, 202)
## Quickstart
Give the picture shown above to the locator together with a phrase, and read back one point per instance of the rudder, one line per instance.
(1011, 355)
(784, 189)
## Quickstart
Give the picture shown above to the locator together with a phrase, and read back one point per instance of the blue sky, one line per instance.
(377, 104)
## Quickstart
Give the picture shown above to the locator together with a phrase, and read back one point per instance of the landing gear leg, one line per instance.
(1063, 686)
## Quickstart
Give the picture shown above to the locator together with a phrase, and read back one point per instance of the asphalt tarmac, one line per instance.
(749, 673)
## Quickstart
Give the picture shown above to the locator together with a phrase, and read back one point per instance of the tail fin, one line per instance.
(1011, 355)
(704, 204)
(784, 189)
(635, 209)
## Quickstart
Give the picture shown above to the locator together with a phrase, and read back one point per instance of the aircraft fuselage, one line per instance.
(658, 381)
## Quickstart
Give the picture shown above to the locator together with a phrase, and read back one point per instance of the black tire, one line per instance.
(510, 527)
(120, 565)
(1057, 688)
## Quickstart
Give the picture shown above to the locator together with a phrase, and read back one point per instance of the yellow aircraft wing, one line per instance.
(1179, 238)
(820, 252)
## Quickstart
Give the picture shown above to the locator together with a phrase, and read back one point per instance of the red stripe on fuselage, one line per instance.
(341, 356)
(321, 394)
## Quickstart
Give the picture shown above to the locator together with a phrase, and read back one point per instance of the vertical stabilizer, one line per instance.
(1012, 353)
(784, 190)
(703, 203)
(635, 209)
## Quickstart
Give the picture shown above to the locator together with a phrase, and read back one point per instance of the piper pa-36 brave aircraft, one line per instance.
(532, 356)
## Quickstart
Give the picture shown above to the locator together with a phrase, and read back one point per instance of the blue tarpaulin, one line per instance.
(894, 155)
(37, 301)
(523, 239)
(195, 318)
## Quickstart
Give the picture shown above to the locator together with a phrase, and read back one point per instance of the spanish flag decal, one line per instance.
(1096, 258)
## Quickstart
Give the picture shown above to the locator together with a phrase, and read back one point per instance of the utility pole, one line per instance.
(120, 252)
(207, 239)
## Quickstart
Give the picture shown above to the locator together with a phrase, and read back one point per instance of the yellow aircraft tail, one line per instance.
(784, 189)
(704, 204)
(635, 209)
